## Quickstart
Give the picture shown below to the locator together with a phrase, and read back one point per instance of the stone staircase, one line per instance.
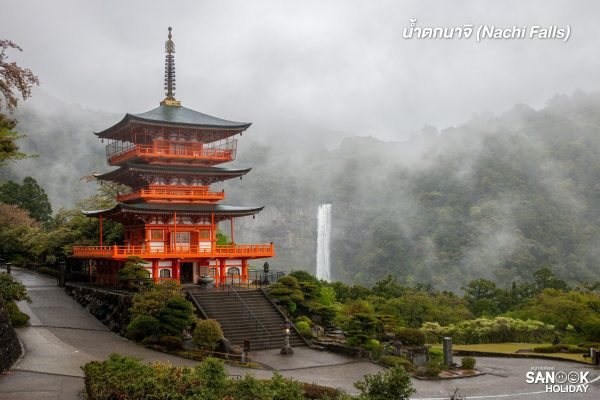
(245, 314)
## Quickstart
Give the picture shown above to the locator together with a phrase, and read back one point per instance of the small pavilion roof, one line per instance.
(177, 116)
(220, 211)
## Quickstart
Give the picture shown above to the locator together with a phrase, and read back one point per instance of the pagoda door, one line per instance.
(187, 272)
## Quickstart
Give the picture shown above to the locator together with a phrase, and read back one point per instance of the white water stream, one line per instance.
(323, 242)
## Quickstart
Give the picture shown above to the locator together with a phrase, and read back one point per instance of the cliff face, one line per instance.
(10, 349)
(294, 232)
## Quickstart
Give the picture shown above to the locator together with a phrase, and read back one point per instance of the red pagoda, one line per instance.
(168, 156)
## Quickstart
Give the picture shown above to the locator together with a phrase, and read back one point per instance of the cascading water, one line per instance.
(323, 242)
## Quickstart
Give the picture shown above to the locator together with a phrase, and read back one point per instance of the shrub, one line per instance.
(17, 317)
(327, 296)
(432, 369)
(285, 388)
(362, 327)
(171, 342)
(250, 388)
(305, 319)
(303, 276)
(468, 363)
(327, 313)
(149, 340)
(395, 361)
(153, 299)
(207, 334)
(304, 328)
(436, 354)
(11, 289)
(370, 344)
(143, 326)
(177, 315)
(287, 292)
(126, 378)
(212, 375)
(393, 383)
(495, 330)
(410, 336)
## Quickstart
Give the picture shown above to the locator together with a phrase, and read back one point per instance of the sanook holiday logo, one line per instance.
(559, 381)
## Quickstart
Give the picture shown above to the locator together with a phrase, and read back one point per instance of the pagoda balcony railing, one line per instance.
(203, 155)
(179, 251)
(174, 193)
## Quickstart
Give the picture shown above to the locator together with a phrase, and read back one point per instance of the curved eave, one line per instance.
(97, 213)
(224, 173)
(181, 209)
(132, 118)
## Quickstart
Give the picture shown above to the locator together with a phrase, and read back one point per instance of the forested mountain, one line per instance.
(497, 197)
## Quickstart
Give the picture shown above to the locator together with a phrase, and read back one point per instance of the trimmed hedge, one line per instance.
(560, 348)
(395, 361)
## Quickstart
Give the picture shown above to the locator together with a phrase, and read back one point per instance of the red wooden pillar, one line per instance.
(176, 269)
(222, 271)
(100, 230)
(232, 232)
(244, 270)
(155, 270)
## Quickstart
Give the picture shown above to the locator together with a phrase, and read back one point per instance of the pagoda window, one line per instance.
(183, 238)
(157, 234)
(178, 148)
(165, 273)
(204, 234)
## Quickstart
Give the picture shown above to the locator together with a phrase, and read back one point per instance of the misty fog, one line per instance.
(445, 160)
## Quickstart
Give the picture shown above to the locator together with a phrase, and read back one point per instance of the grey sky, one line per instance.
(337, 65)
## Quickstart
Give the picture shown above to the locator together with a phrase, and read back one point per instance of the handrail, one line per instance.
(230, 250)
(174, 192)
(226, 154)
(245, 305)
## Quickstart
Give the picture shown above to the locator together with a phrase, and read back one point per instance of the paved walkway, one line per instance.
(63, 336)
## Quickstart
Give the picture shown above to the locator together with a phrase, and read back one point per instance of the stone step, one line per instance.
(237, 324)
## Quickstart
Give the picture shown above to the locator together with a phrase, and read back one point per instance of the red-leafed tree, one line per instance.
(14, 80)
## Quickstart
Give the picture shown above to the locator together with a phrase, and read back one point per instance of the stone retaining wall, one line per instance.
(10, 348)
(112, 308)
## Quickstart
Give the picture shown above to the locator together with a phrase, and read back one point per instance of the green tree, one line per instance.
(176, 316)
(29, 196)
(482, 297)
(545, 279)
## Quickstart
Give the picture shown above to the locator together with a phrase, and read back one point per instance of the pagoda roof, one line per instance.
(219, 210)
(217, 173)
(177, 116)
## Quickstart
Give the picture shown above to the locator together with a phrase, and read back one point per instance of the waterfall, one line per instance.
(323, 242)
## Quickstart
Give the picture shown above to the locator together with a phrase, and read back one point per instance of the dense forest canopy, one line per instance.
(497, 198)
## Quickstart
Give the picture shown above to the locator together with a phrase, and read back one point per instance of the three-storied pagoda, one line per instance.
(168, 157)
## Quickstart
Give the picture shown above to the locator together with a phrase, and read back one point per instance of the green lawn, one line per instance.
(511, 348)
